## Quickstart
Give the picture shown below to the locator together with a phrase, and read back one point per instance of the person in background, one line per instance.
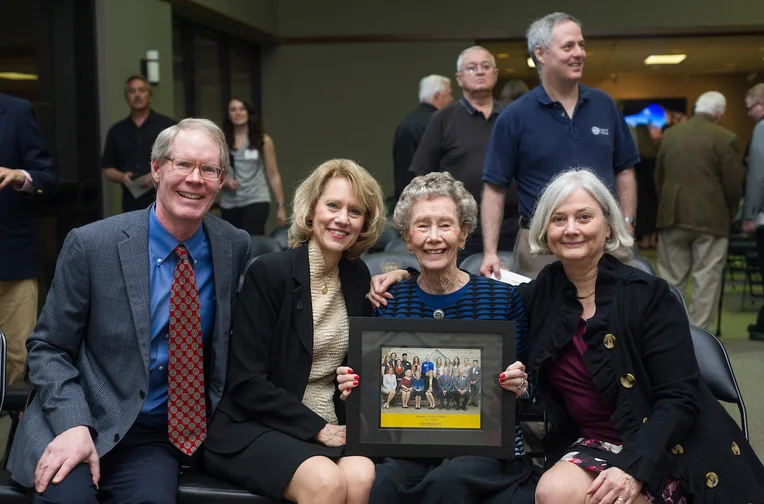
(127, 151)
(280, 427)
(449, 366)
(405, 388)
(474, 377)
(694, 219)
(647, 195)
(427, 365)
(632, 420)
(389, 387)
(27, 179)
(511, 91)
(461, 389)
(446, 386)
(438, 367)
(387, 363)
(560, 123)
(405, 362)
(430, 388)
(434, 94)
(415, 365)
(457, 137)
(417, 384)
(399, 369)
(753, 208)
(246, 200)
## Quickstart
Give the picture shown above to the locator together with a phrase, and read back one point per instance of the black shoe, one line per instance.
(756, 336)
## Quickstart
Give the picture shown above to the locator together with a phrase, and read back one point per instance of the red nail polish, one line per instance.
(501, 376)
(355, 383)
(350, 370)
(356, 377)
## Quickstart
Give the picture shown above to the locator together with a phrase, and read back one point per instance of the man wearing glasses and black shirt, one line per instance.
(127, 154)
(457, 136)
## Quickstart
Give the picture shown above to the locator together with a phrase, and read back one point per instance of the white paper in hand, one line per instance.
(135, 186)
(513, 278)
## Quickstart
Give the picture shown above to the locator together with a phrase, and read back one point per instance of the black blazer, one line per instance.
(641, 358)
(22, 147)
(271, 351)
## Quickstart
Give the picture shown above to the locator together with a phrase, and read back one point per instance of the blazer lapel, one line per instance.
(303, 309)
(134, 259)
(353, 304)
(3, 120)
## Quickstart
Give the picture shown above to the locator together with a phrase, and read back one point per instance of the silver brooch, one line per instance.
(438, 314)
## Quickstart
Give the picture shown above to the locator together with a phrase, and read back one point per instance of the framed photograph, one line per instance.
(430, 388)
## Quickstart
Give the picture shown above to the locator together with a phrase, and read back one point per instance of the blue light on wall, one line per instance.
(653, 114)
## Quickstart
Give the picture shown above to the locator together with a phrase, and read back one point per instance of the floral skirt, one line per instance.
(584, 453)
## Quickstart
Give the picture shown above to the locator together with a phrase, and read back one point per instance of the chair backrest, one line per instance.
(281, 235)
(643, 264)
(675, 291)
(263, 244)
(2, 368)
(716, 370)
(243, 273)
(397, 245)
(388, 235)
(472, 263)
(385, 262)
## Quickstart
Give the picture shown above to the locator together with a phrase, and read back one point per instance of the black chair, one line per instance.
(716, 370)
(241, 277)
(397, 245)
(675, 291)
(388, 235)
(385, 262)
(280, 234)
(262, 244)
(644, 265)
(472, 263)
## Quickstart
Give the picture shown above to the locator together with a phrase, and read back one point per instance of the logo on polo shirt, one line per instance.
(598, 131)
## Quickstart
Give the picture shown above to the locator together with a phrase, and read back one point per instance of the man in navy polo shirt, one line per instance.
(559, 124)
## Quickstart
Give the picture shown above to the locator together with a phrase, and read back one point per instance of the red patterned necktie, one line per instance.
(186, 410)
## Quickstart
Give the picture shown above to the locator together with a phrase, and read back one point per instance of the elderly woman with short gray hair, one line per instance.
(612, 359)
(435, 215)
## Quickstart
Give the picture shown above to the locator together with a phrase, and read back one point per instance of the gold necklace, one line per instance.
(326, 287)
(584, 297)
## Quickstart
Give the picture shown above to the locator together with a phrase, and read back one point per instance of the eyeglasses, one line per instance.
(472, 69)
(753, 106)
(185, 167)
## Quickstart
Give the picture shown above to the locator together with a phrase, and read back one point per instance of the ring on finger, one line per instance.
(620, 499)
(522, 382)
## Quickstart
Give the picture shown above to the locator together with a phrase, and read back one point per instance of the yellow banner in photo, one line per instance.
(431, 421)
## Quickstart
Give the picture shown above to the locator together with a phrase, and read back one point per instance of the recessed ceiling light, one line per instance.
(17, 76)
(502, 55)
(531, 64)
(665, 59)
(509, 70)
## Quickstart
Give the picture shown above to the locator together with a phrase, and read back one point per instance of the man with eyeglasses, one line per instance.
(128, 360)
(127, 152)
(560, 124)
(457, 136)
(753, 209)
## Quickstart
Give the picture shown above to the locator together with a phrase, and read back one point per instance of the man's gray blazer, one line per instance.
(89, 354)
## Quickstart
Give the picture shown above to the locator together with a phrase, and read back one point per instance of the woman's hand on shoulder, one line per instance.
(331, 435)
(346, 381)
(514, 379)
(614, 486)
(378, 294)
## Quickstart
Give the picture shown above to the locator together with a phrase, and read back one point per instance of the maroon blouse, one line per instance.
(570, 377)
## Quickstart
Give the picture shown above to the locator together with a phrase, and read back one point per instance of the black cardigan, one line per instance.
(669, 421)
(271, 351)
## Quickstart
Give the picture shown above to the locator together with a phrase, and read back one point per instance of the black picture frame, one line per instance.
(495, 437)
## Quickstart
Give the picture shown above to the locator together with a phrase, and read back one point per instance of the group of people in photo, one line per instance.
(148, 358)
(437, 383)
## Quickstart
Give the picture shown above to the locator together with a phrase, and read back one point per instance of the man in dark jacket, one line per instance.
(699, 180)
(434, 94)
(26, 178)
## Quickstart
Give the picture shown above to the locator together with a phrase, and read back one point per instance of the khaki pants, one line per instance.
(680, 252)
(18, 316)
(531, 265)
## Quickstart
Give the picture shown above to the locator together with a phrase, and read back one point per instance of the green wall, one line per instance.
(125, 30)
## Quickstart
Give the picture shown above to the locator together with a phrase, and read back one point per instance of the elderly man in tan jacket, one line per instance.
(699, 177)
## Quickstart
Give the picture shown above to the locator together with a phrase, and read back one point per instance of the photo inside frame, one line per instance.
(430, 387)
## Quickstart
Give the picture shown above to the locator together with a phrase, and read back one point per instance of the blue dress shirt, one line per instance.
(162, 262)
(427, 366)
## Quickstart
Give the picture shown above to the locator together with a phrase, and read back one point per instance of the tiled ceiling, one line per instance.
(705, 55)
